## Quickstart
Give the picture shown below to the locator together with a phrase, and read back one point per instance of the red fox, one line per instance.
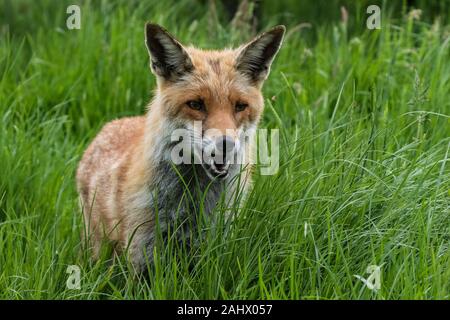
(127, 173)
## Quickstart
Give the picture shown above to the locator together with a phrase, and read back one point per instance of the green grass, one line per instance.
(364, 119)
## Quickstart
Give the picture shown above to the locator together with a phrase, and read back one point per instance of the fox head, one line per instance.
(221, 90)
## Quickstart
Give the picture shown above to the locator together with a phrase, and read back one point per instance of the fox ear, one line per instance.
(169, 60)
(255, 58)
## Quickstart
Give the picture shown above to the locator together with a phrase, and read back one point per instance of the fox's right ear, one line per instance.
(169, 60)
(256, 57)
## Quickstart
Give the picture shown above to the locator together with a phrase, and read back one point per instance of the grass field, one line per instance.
(364, 179)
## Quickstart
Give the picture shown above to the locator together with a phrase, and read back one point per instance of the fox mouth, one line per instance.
(216, 170)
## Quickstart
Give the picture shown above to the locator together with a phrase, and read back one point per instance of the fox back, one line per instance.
(197, 135)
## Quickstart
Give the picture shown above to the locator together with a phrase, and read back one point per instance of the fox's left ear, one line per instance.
(254, 59)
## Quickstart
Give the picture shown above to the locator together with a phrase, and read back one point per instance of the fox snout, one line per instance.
(220, 152)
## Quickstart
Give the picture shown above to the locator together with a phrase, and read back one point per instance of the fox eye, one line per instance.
(196, 105)
(241, 106)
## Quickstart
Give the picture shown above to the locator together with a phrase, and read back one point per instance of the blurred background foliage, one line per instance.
(21, 16)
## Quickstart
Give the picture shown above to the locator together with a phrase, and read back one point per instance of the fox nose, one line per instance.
(224, 149)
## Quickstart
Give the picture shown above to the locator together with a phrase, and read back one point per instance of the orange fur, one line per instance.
(118, 171)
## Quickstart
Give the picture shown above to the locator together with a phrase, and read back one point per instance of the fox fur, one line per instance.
(126, 174)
